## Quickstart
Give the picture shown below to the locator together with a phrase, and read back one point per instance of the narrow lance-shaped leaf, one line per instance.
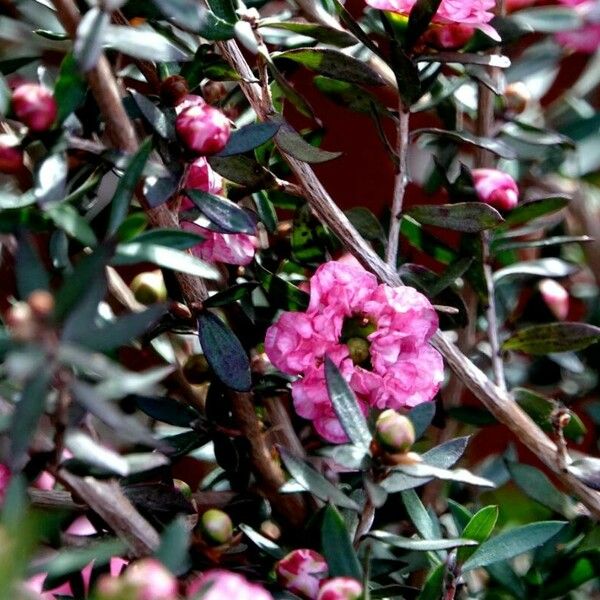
(479, 528)
(495, 146)
(321, 33)
(144, 44)
(470, 217)
(553, 337)
(89, 39)
(156, 118)
(346, 406)
(429, 545)
(263, 543)
(535, 208)
(337, 546)
(292, 143)
(126, 186)
(224, 352)
(418, 514)
(31, 274)
(249, 137)
(512, 543)
(419, 18)
(226, 215)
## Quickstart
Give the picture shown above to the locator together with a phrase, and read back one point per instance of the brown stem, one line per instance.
(399, 185)
(497, 400)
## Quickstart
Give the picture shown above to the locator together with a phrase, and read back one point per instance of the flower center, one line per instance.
(355, 331)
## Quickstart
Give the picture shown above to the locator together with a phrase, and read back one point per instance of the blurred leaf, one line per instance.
(587, 469)
(548, 19)
(405, 71)
(231, 295)
(177, 239)
(416, 545)
(577, 571)
(346, 406)
(315, 483)
(191, 16)
(5, 96)
(134, 253)
(224, 352)
(470, 217)
(262, 543)
(143, 44)
(421, 417)
(242, 170)
(28, 411)
(460, 475)
(281, 293)
(292, 143)
(266, 211)
(157, 190)
(30, 271)
(226, 215)
(559, 240)
(495, 146)
(553, 337)
(513, 542)
(337, 546)
(155, 117)
(366, 223)
(120, 383)
(70, 88)
(416, 236)
(479, 528)
(537, 486)
(51, 179)
(87, 46)
(167, 410)
(333, 63)
(67, 218)
(543, 267)
(418, 514)
(455, 270)
(533, 209)
(321, 33)
(433, 586)
(119, 205)
(419, 18)
(249, 137)
(173, 549)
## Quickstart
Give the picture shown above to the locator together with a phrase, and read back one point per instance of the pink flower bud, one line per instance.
(556, 298)
(187, 101)
(216, 527)
(301, 571)
(496, 188)
(203, 129)
(340, 588)
(35, 106)
(219, 584)
(150, 580)
(394, 432)
(200, 176)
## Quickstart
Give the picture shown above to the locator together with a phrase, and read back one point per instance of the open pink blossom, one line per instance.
(301, 571)
(496, 188)
(219, 584)
(376, 335)
(476, 13)
(201, 176)
(586, 39)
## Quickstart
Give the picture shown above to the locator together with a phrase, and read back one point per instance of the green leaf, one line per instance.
(406, 73)
(51, 179)
(167, 410)
(70, 88)
(122, 330)
(5, 96)
(418, 20)
(242, 170)
(173, 549)
(495, 146)
(155, 117)
(30, 271)
(67, 218)
(315, 483)
(433, 586)
(346, 406)
(191, 16)
(126, 186)
(87, 46)
(536, 485)
(143, 44)
(479, 528)
(548, 19)
(533, 209)
(558, 240)
(249, 137)
(455, 270)
(133, 253)
(173, 238)
(292, 143)
(421, 417)
(28, 411)
(416, 545)
(418, 514)
(513, 542)
(460, 475)
(337, 546)
(281, 293)
(366, 223)
(542, 267)
(231, 295)
(224, 352)
(262, 543)
(553, 337)
(226, 215)
(333, 63)
(470, 217)
(587, 470)
(321, 33)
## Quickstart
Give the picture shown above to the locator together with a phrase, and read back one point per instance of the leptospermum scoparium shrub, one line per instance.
(299, 299)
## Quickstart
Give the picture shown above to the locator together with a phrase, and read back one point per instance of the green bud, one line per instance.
(216, 527)
(359, 350)
(394, 432)
(183, 487)
(149, 287)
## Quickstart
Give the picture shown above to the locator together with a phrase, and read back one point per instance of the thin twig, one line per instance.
(399, 185)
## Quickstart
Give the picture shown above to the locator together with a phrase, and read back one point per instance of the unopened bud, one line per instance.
(41, 303)
(182, 487)
(34, 106)
(516, 97)
(196, 369)
(394, 432)
(149, 287)
(270, 530)
(216, 527)
(203, 129)
(173, 90)
(214, 92)
(496, 188)
(358, 349)
(150, 580)
(340, 588)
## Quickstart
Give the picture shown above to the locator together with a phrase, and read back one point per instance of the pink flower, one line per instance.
(200, 176)
(587, 38)
(556, 298)
(340, 588)
(5, 476)
(203, 129)
(448, 36)
(11, 158)
(388, 330)
(496, 188)
(229, 248)
(476, 13)
(219, 584)
(35, 106)
(301, 571)
(189, 100)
